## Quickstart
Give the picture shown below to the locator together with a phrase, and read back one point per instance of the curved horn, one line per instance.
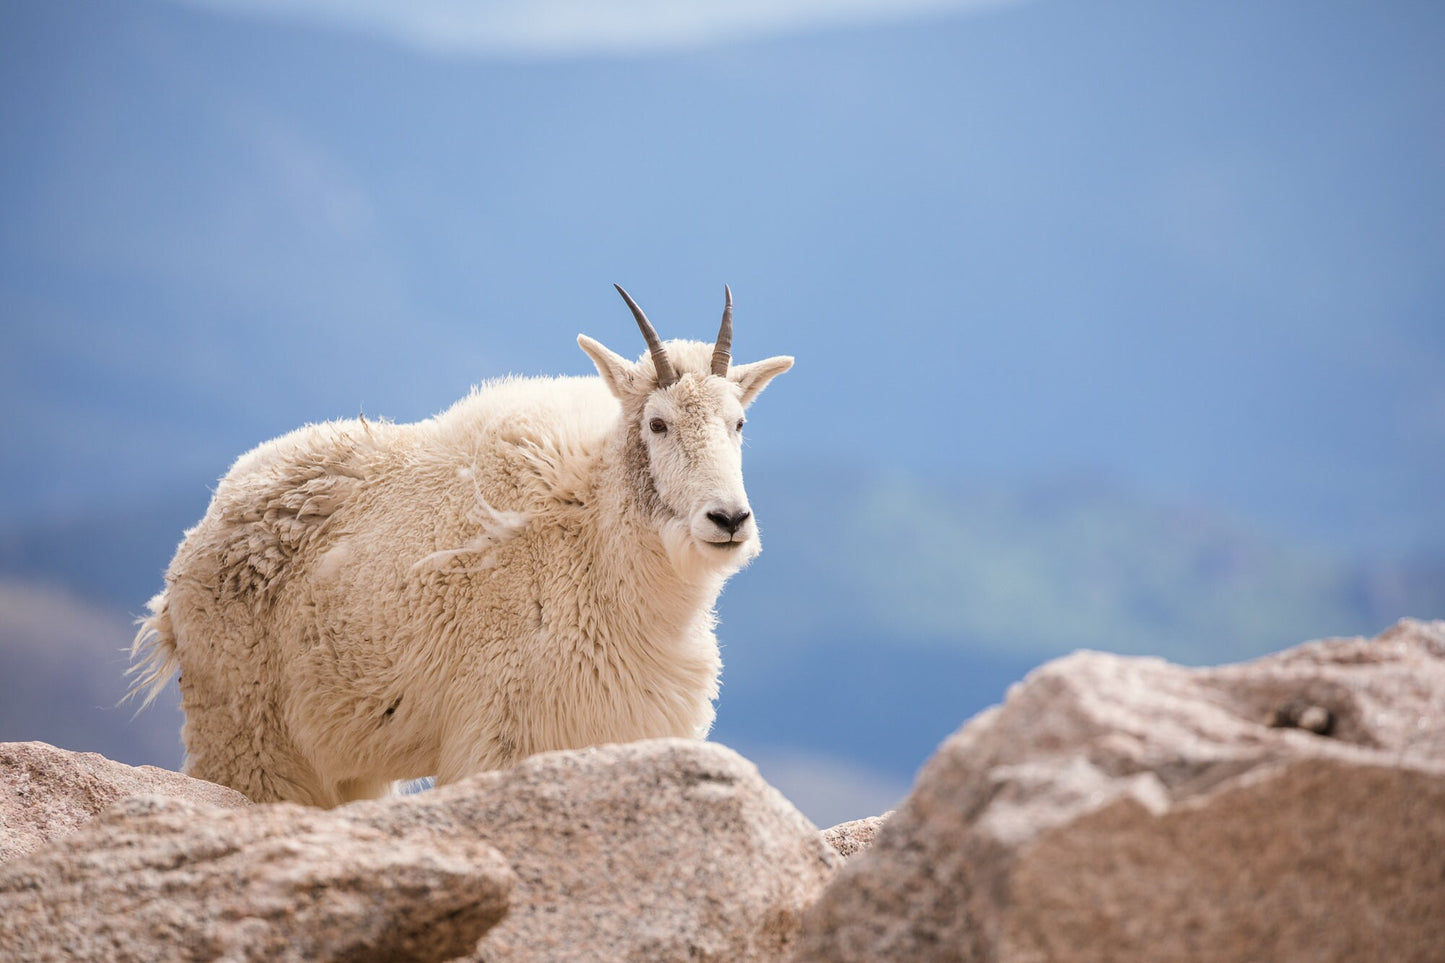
(722, 354)
(665, 373)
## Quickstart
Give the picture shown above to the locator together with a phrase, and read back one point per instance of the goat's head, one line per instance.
(682, 408)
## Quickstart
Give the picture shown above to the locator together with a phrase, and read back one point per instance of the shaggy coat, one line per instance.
(533, 569)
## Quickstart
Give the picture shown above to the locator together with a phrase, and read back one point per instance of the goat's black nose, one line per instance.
(729, 523)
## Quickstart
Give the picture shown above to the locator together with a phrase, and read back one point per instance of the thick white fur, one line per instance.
(532, 569)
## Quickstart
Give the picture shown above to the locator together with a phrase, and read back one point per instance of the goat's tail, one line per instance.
(152, 654)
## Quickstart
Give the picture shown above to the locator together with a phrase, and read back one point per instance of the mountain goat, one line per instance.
(534, 568)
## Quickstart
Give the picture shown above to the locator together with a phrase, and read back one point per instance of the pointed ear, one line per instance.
(753, 378)
(615, 370)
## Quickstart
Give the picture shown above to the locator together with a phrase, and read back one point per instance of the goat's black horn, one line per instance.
(665, 373)
(722, 354)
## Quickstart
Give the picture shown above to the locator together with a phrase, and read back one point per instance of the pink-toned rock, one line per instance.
(856, 835)
(660, 850)
(171, 879)
(1291, 808)
(46, 792)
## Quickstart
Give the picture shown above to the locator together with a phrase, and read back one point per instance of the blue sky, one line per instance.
(1193, 249)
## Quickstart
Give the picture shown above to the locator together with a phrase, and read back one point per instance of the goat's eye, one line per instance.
(741, 422)
(657, 425)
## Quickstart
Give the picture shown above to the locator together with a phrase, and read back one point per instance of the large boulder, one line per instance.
(1125, 809)
(660, 850)
(46, 792)
(170, 879)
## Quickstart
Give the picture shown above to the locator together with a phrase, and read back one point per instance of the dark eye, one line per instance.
(657, 425)
(741, 422)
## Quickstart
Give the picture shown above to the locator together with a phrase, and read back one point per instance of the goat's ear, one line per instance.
(753, 378)
(615, 370)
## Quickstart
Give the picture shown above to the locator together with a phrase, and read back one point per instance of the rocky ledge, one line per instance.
(1290, 808)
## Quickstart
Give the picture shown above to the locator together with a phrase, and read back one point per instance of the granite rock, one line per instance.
(1290, 808)
(46, 792)
(856, 835)
(660, 850)
(162, 878)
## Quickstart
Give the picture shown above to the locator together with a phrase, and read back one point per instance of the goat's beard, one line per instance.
(696, 561)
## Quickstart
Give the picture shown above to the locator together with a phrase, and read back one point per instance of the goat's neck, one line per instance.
(628, 549)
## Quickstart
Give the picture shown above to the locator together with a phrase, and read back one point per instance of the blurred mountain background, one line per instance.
(1119, 325)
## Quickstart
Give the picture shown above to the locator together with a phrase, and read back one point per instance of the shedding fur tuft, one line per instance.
(497, 528)
(153, 654)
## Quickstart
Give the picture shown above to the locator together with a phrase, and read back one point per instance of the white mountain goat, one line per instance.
(535, 568)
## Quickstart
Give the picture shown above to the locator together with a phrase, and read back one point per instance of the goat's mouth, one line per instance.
(730, 545)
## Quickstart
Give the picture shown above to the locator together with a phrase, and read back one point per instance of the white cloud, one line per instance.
(547, 28)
